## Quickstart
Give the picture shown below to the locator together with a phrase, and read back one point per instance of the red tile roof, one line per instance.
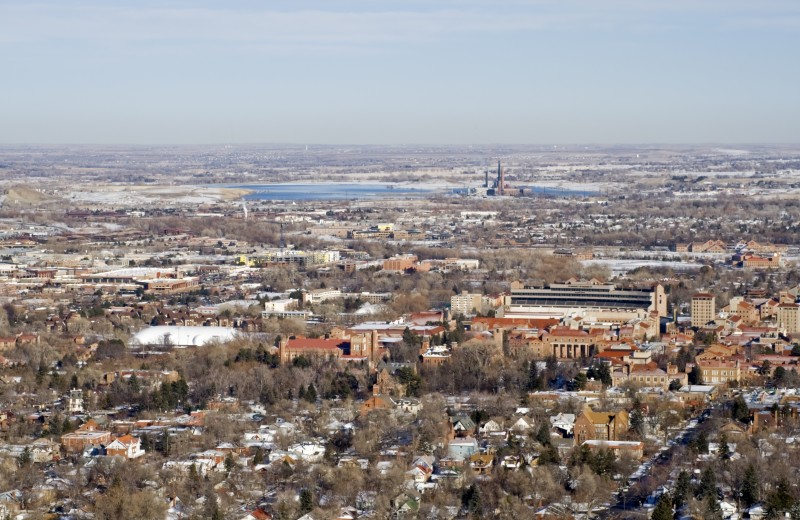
(528, 323)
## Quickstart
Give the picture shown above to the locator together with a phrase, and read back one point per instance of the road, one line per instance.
(630, 507)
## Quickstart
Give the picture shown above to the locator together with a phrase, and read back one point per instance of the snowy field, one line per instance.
(619, 266)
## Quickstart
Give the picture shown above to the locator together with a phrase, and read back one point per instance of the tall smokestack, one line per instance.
(486, 180)
(501, 181)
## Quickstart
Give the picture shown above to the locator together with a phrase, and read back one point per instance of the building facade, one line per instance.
(789, 317)
(605, 301)
(703, 309)
(600, 426)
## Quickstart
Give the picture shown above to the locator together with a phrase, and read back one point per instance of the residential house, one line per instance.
(44, 450)
(522, 424)
(481, 463)
(462, 426)
(10, 503)
(462, 448)
(602, 426)
(88, 434)
(565, 422)
(257, 514)
(493, 425)
(126, 446)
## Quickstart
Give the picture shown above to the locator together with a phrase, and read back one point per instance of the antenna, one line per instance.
(283, 239)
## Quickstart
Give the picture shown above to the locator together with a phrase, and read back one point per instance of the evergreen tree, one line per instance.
(695, 376)
(229, 462)
(25, 458)
(543, 434)
(193, 476)
(54, 425)
(534, 380)
(751, 487)
(164, 444)
(682, 488)
(457, 334)
(683, 357)
(780, 499)
(713, 511)
(708, 484)
(479, 417)
(40, 373)
(306, 501)
(133, 384)
(739, 410)
(700, 444)
(724, 449)
(211, 506)
(637, 420)
(471, 500)
(663, 510)
(549, 455)
(146, 443)
(411, 339)
(311, 393)
(604, 374)
(258, 457)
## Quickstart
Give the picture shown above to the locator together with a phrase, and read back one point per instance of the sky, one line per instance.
(400, 71)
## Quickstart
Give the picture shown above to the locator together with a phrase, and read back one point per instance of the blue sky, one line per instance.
(398, 72)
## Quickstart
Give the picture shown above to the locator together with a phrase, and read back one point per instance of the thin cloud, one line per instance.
(383, 24)
(37, 23)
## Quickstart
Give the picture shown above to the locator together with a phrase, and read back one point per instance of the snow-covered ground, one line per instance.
(621, 266)
(182, 336)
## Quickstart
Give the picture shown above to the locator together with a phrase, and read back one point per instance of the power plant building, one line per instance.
(498, 187)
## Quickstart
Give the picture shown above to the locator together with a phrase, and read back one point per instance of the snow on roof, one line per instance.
(182, 336)
(134, 272)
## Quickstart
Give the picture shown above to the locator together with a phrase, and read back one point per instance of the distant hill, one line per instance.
(21, 194)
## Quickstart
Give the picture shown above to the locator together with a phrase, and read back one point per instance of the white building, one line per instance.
(321, 295)
(75, 403)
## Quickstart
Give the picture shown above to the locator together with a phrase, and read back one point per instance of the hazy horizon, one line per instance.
(385, 72)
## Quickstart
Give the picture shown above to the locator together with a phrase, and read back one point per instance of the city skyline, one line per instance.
(385, 72)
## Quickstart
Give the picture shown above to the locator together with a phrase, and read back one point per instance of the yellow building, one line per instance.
(465, 303)
(789, 317)
(703, 309)
(717, 371)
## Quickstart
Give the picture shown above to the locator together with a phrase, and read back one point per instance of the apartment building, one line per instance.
(703, 309)
(789, 317)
